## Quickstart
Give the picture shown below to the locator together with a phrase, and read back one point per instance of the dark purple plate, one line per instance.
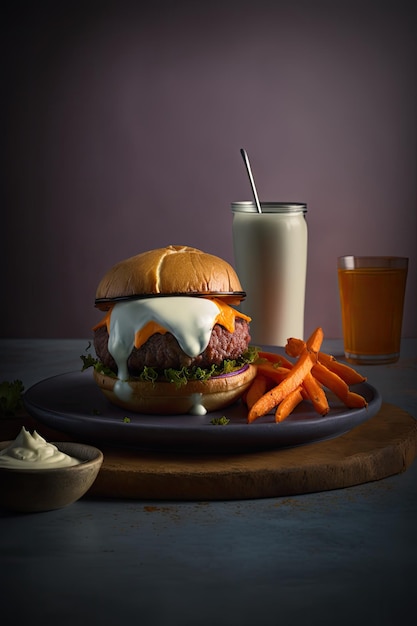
(73, 404)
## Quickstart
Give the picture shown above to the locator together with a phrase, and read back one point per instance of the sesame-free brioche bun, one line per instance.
(141, 298)
(169, 271)
(165, 398)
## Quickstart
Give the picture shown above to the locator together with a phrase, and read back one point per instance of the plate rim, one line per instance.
(147, 431)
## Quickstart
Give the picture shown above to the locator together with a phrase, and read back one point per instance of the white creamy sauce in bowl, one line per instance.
(32, 451)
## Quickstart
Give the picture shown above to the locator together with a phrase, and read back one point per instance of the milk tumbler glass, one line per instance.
(270, 250)
(372, 293)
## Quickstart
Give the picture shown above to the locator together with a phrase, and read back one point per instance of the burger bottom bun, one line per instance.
(164, 398)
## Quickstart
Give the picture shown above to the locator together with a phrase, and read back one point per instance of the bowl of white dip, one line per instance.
(36, 475)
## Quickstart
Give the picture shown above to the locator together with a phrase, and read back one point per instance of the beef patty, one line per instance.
(162, 351)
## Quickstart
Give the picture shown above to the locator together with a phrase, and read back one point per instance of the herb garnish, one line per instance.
(181, 376)
(220, 421)
(11, 397)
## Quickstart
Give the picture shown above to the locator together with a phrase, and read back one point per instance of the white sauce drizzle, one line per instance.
(197, 407)
(189, 319)
(34, 452)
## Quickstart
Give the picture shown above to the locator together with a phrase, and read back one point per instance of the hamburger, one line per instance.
(171, 341)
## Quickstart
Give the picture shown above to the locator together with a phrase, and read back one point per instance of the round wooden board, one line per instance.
(383, 446)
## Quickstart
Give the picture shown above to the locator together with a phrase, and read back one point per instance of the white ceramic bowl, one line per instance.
(36, 490)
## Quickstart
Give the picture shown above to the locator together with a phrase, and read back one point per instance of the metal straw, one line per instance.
(252, 182)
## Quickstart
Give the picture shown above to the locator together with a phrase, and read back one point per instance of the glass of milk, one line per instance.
(270, 250)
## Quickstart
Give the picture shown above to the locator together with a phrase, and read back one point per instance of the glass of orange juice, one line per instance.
(372, 293)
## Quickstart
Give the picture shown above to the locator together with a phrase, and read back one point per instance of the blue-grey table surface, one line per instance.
(336, 557)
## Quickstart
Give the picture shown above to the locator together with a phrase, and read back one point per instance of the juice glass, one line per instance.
(372, 293)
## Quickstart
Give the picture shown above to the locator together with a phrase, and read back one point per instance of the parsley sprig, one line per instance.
(11, 400)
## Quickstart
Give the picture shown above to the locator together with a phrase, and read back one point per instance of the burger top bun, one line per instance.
(168, 271)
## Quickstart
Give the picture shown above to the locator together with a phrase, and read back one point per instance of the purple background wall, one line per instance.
(123, 127)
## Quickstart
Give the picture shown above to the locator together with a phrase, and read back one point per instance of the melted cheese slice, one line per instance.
(189, 319)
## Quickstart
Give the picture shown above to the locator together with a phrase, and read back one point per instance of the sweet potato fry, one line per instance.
(335, 383)
(349, 375)
(330, 380)
(294, 347)
(315, 393)
(315, 340)
(355, 401)
(274, 372)
(275, 395)
(257, 389)
(288, 404)
(272, 357)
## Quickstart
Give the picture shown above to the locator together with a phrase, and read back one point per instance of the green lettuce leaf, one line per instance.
(181, 376)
